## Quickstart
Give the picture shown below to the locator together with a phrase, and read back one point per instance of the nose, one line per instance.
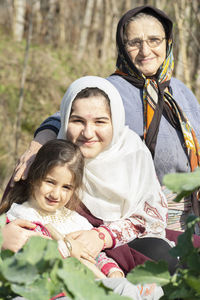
(145, 49)
(88, 131)
(55, 192)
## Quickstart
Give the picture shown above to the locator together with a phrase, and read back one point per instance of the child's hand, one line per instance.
(79, 250)
(116, 274)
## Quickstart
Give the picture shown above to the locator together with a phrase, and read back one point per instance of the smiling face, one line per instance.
(54, 191)
(90, 125)
(147, 60)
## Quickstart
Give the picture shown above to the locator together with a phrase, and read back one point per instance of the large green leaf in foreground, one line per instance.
(183, 183)
(150, 272)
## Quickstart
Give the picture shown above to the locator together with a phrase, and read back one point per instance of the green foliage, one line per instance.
(185, 283)
(39, 272)
(183, 183)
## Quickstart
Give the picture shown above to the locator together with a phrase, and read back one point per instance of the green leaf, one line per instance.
(33, 251)
(194, 283)
(179, 291)
(186, 239)
(18, 272)
(80, 284)
(51, 251)
(182, 183)
(39, 290)
(150, 272)
(193, 261)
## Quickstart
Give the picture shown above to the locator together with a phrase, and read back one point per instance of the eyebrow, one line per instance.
(149, 36)
(99, 118)
(51, 178)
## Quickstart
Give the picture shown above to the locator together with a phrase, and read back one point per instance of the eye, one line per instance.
(134, 43)
(49, 181)
(77, 121)
(67, 187)
(100, 122)
(154, 41)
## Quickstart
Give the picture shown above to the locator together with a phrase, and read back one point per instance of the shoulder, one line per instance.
(179, 89)
(22, 211)
(123, 85)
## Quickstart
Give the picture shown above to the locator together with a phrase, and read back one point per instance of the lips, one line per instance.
(51, 201)
(146, 60)
(87, 143)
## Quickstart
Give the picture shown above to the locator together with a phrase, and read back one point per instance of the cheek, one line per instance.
(107, 134)
(162, 52)
(133, 55)
(72, 133)
(42, 190)
(66, 196)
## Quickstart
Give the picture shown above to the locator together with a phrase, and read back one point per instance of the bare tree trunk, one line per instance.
(127, 5)
(115, 20)
(85, 28)
(51, 20)
(161, 4)
(64, 14)
(96, 34)
(9, 7)
(17, 128)
(37, 16)
(107, 30)
(180, 12)
(19, 22)
(196, 42)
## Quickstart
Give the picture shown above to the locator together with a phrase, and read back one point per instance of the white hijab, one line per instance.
(119, 181)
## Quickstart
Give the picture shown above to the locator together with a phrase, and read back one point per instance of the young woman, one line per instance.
(120, 188)
(50, 195)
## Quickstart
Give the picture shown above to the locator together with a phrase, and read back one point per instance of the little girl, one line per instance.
(49, 195)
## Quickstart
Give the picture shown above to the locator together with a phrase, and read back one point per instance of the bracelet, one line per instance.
(111, 234)
(63, 249)
(68, 244)
(101, 236)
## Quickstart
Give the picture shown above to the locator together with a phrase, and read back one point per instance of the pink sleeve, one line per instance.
(106, 264)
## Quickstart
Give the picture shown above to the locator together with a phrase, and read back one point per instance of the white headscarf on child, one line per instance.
(121, 179)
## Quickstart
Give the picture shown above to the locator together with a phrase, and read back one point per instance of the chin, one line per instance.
(148, 73)
(88, 154)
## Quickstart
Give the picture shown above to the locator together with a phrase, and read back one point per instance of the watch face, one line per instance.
(101, 235)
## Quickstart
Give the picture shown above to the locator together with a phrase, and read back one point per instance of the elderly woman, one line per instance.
(154, 103)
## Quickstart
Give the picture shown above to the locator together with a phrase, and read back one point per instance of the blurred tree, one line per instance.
(85, 28)
(19, 19)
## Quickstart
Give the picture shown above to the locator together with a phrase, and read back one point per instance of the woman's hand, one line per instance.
(16, 234)
(79, 250)
(28, 157)
(90, 239)
(25, 162)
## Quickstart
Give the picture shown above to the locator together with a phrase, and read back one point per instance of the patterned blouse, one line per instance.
(65, 221)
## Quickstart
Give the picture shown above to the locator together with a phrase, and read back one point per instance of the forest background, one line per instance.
(46, 44)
